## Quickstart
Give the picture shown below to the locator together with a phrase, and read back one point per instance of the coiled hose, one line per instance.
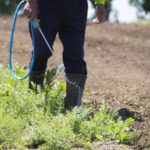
(11, 44)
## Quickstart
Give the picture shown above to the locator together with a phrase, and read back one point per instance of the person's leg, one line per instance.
(72, 35)
(49, 23)
(41, 58)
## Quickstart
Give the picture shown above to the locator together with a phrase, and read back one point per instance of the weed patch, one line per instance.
(37, 120)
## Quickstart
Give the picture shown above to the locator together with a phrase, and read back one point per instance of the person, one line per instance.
(68, 19)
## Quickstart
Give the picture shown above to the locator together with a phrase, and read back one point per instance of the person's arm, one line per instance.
(31, 9)
(101, 14)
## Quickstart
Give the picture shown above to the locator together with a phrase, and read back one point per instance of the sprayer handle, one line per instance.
(35, 23)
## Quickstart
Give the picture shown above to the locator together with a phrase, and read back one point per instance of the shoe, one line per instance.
(36, 79)
(74, 90)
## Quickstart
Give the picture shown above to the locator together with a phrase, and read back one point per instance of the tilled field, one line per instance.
(118, 60)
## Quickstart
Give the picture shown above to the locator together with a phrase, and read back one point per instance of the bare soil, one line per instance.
(118, 60)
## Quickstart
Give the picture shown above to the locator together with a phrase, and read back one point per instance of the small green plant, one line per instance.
(10, 131)
(36, 120)
(103, 127)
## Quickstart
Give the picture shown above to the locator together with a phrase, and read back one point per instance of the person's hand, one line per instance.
(101, 14)
(31, 9)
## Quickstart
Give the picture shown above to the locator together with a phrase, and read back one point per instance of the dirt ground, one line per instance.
(118, 60)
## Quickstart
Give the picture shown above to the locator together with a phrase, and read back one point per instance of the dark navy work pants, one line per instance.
(68, 19)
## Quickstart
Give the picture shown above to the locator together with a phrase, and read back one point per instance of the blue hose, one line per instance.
(11, 45)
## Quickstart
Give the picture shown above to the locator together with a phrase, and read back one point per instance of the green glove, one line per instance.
(100, 2)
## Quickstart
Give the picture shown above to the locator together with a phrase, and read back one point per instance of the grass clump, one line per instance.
(36, 120)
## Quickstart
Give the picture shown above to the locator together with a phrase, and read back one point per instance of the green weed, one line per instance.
(36, 120)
